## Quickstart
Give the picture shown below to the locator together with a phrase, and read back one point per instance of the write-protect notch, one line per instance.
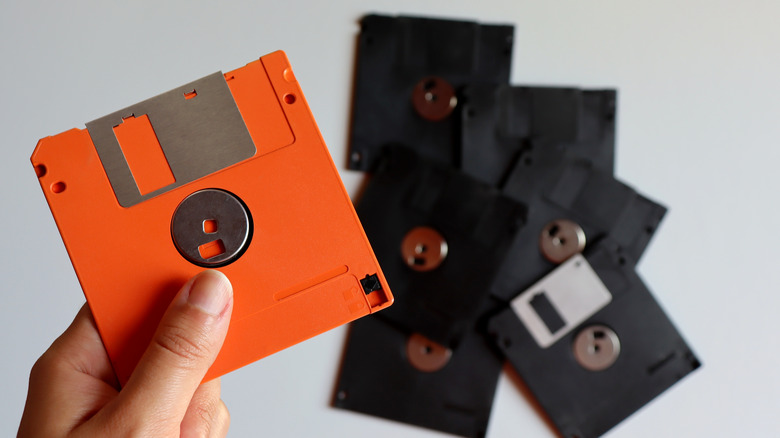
(199, 129)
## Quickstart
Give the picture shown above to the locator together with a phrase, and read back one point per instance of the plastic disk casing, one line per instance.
(297, 256)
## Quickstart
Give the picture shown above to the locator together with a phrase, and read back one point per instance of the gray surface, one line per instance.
(698, 129)
(198, 136)
(575, 292)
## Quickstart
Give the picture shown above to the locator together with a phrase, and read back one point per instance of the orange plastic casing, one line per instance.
(300, 275)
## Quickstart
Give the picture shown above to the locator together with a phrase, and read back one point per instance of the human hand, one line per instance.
(74, 392)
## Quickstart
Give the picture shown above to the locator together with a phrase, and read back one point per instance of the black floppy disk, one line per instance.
(440, 237)
(578, 206)
(538, 128)
(408, 74)
(479, 186)
(402, 376)
(591, 342)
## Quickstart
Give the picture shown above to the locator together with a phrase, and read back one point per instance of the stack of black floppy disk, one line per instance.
(505, 237)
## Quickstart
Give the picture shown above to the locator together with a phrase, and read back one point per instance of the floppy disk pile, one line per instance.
(495, 215)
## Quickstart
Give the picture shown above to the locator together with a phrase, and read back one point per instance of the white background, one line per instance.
(698, 130)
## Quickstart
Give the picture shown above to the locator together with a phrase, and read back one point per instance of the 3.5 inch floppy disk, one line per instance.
(230, 172)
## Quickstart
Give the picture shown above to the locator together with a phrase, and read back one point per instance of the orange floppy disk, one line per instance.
(229, 172)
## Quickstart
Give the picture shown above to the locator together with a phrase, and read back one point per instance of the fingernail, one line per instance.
(211, 292)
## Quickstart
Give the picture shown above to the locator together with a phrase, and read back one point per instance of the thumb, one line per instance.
(185, 345)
